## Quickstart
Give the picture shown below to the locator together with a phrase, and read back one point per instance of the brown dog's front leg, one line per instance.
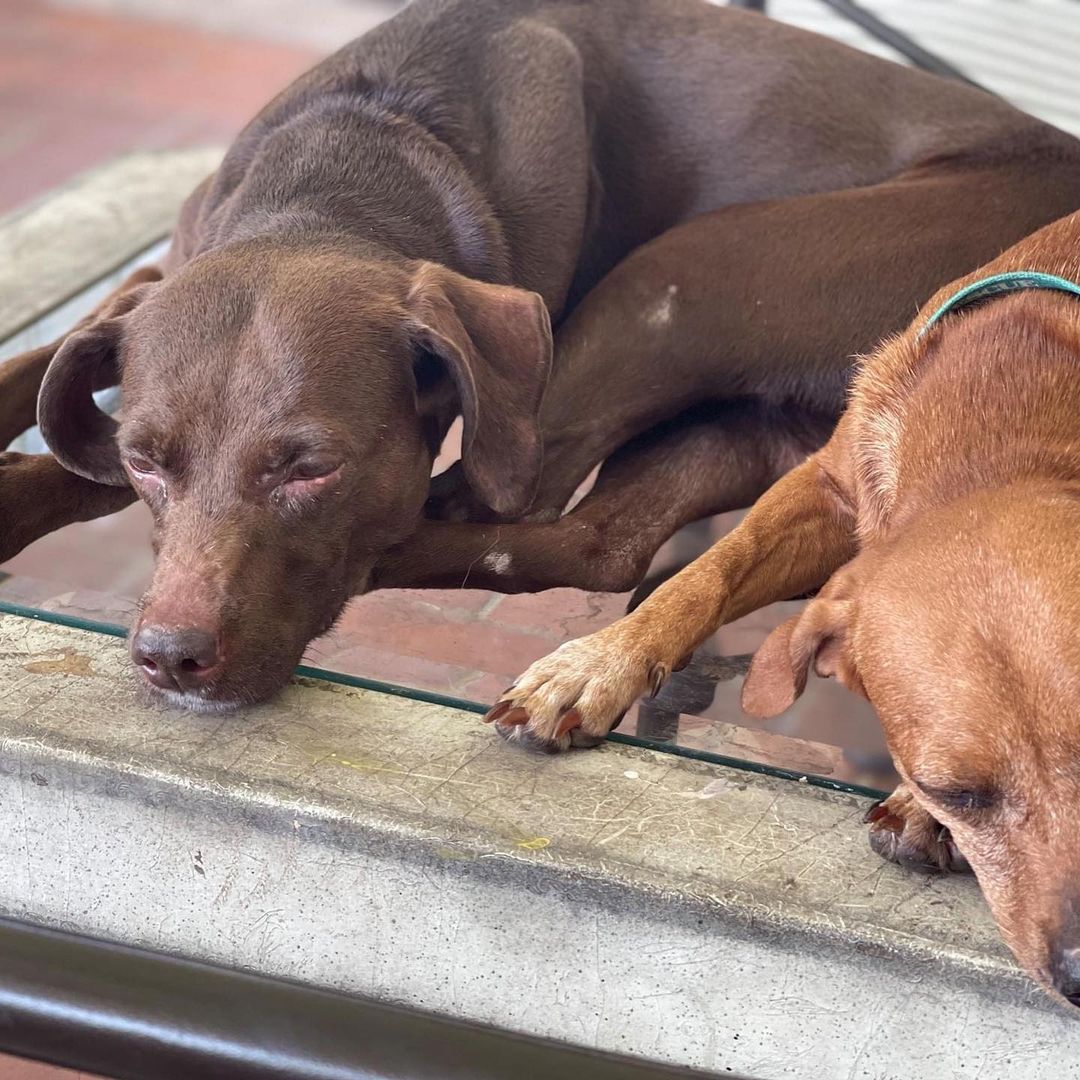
(797, 534)
(38, 495)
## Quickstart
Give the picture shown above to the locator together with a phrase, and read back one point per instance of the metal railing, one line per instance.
(883, 32)
(133, 1015)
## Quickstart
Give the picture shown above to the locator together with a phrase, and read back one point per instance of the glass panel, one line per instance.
(464, 646)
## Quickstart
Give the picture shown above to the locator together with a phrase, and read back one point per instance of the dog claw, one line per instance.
(571, 719)
(657, 676)
(515, 718)
(956, 859)
(875, 813)
(497, 711)
(582, 740)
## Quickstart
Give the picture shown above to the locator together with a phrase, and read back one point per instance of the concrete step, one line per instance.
(618, 898)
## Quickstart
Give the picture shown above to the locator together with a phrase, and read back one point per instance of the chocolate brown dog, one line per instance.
(383, 247)
(941, 521)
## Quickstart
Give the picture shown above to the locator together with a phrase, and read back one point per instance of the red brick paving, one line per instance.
(78, 88)
(20, 1069)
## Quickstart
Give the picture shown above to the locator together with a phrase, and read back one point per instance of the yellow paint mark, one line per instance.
(69, 663)
(368, 765)
(453, 853)
(537, 843)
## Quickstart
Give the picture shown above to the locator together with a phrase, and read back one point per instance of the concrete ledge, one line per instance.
(620, 898)
(81, 232)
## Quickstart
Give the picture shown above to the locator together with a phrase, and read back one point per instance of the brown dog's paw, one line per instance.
(577, 694)
(904, 833)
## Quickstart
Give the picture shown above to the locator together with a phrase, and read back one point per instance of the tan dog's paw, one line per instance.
(577, 694)
(904, 833)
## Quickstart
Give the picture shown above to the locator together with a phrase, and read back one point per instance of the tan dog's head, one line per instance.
(963, 631)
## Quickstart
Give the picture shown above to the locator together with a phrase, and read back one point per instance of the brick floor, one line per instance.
(21, 1069)
(78, 88)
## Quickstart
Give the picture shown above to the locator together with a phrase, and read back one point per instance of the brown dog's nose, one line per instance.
(175, 659)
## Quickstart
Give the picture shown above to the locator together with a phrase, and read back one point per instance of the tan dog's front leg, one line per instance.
(796, 535)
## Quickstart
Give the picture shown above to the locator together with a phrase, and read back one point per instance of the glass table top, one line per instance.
(464, 646)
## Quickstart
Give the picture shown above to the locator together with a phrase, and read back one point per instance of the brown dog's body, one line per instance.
(383, 247)
(941, 523)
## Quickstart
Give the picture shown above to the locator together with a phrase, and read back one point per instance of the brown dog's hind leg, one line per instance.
(701, 464)
(902, 832)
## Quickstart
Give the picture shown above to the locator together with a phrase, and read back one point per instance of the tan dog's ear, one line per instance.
(819, 635)
(495, 341)
(80, 435)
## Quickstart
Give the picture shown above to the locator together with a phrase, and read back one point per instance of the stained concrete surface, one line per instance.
(620, 898)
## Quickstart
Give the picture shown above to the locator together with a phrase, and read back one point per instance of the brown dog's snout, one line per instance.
(180, 660)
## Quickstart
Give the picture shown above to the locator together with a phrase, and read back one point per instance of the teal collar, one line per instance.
(996, 284)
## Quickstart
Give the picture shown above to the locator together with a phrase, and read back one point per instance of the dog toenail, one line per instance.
(656, 679)
(500, 709)
(571, 719)
(515, 718)
(875, 813)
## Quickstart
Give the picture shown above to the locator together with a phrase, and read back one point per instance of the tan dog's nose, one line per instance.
(1067, 974)
(181, 660)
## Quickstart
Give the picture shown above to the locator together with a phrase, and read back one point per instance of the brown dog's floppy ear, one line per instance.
(81, 436)
(495, 341)
(820, 635)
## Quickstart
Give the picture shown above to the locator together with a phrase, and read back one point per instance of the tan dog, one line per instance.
(942, 525)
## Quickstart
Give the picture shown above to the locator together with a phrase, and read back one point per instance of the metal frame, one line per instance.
(888, 35)
(131, 1014)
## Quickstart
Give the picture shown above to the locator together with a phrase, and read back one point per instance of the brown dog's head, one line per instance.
(964, 633)
(280, 414)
